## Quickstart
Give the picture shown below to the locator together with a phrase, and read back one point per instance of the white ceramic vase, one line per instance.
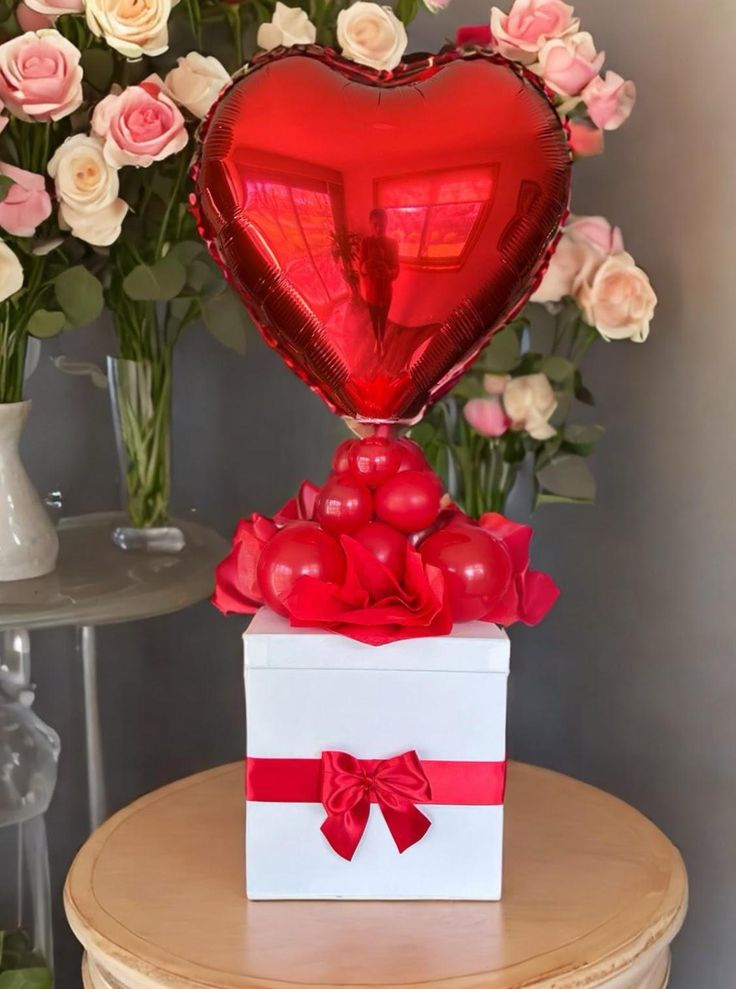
(29, 543)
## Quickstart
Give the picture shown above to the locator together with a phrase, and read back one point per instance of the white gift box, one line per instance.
(444, 698)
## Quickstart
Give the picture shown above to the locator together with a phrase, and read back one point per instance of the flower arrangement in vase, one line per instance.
(517, 403)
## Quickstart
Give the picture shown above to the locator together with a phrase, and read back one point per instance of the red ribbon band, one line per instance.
(346, 787)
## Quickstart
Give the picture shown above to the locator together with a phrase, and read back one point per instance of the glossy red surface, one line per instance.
(409, 501)
(301, 549)
(343, 505)
(380, 227)
(476, 566)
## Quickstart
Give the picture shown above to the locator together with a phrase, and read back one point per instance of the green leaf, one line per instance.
(26, 978)
(407, 10)
(558, 370)
(97, 65)
(502, 353)
(156, 283)
(6, 184)
(226, 318)
(566, 478)
(45, 323)
(582, 394)
(79, 294)
(186, 251)
(469, 387)
(204, 278)
(581, 439)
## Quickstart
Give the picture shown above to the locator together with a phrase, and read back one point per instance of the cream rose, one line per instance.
(371, 34)
(132, 27)
(40, 76)
(196, 82)
(620, 300)
(288, 26)
(529, 402)
(11, 273)
(87, 188)
(522, 32)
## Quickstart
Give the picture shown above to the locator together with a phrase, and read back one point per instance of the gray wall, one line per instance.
(630, 684)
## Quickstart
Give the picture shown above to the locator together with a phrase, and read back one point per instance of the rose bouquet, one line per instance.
(517, 404)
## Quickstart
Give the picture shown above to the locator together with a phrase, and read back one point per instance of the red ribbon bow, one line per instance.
(350, 786)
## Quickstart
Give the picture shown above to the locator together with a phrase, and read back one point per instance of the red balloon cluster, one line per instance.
(384, 554)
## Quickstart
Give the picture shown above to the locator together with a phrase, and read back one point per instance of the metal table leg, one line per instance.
(93, 734)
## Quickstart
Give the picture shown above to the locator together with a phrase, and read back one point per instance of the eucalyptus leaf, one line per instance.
(502, 353)
(407, 10)
(582, 439)
(567, 478)
(469, 387)
(559, 370)
(26, 978)
(79, 294)
(45, 323)
(156, 283)
(186, 251)
(226, 319)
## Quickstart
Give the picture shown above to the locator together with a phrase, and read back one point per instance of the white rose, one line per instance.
(620, 300)
(196, 82)
(11, 273)
(289, 26)
(87, 188)
(529, 402)
(371, 34)
(132, 28)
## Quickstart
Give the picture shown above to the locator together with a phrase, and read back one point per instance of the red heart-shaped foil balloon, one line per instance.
(381, 226)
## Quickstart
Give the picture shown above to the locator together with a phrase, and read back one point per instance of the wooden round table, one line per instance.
(594, 894)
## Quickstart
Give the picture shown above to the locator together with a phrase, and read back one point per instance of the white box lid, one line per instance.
(472, 647)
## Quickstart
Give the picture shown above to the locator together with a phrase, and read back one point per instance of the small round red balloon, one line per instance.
(386, 544)
(409, 501)
(298, 550)
(476, 566)
(412, 457)
(341, 457)
(374, 460)
(344, 504)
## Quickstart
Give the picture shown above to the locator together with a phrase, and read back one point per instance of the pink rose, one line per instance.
(30, 20)
(486, 416)
(567, 65)
(26, 204)
(585, 141)
(609, 101)
(598, 232)
(473, 34)
(585, 243)
(55, 8)
(40, 76)
(528, 25)
(139, 126)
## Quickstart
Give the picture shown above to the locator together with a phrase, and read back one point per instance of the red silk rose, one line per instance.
(371, 605)
(530, 593)
(236, 586)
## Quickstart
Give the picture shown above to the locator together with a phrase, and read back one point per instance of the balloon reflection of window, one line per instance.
(297, 219)
(436, 216)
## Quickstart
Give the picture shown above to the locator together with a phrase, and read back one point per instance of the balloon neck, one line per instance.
(389, 430)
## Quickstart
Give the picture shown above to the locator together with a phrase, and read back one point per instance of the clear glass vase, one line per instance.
(140, 394)
(29, 753)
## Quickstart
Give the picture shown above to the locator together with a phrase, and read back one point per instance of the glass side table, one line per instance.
(95, 583)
